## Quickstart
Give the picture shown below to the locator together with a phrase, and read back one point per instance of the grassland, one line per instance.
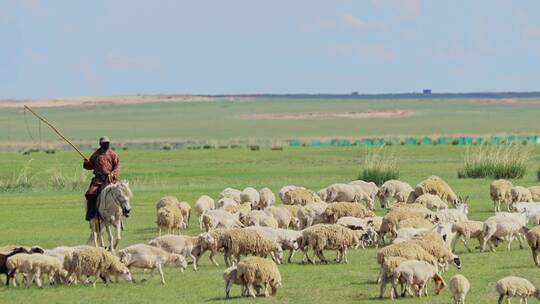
(51, 218)
(225, 120)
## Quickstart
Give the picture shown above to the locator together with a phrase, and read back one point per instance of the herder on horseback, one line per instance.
(106, 166)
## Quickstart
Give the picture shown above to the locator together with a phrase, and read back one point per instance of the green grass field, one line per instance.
(52, 218)
(226, 121)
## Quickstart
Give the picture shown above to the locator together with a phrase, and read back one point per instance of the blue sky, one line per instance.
(99, 47)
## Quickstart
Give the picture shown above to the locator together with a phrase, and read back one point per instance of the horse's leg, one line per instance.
(118, 234)
(109, 237)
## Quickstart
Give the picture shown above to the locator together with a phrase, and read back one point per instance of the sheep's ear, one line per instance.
(466, 199)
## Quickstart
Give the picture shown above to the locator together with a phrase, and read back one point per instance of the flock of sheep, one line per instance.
(418, 235)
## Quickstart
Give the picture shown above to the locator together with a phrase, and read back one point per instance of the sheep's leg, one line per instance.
(212, 258)
(535, 256)
(160, 270)
(321, 257)
(251, 291)
(344, 254)
(525, 300)
(510, 238)
(382, 288)
(194, 258)
(520, 240)
(38, 278)
(228, 287)
(159, 231)
(291, 254)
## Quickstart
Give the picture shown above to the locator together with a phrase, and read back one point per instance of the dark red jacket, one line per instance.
(103, 163)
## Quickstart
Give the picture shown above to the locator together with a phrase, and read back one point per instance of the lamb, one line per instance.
(283, 217)
(267, 199)
(520, 194)
(250, 195)
(395, 190)
(150, 257)
(300, 197)
(287, 239)
(370, 188)
(256, 271)
(417, 273)
(533, 239)
(391, 219)
(336, 210)
(535, 193)
(170, 218)
(34, 266)
(452, 215)
(504, 228)
(511, 286)
(94, 261)
(329, 236)
(286, 189)
(239, 242)
(232, 194)
(259, 218)
(204, 203)
(459, 287)
(185, 208)
(218, 218)
(431, 201)
(231, 277)
(500, 192)
(312, 213)
(182, 245)
(437, 186)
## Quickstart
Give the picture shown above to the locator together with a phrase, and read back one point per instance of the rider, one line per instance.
(106, 166)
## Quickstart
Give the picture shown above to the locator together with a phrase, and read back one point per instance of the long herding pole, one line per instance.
(56, 131)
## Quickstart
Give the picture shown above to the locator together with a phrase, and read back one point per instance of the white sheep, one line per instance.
(185, 208)
(238, 242)
(506, 228)
(535, 193)
(395, 190)
(286, 189)
(416, 274)
(405, 234)
(437, 186)
(465, 231)
(533, 239)
(256, 271)
(459, 287)
(312, 213)
(511, 286)
(283, 217)
(219, 218)
(250, 195)
(33, 266)
(344, 193)
(287, 239)
(260, 218)
(232, 194)
(329, 236)
(431, 201)
(370, 188)
(520, 194)
(182, 244)
(150, 257)
(266, 199)
(452, 215)
(225, 202)
(204, 203)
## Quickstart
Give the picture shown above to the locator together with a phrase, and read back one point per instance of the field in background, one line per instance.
(51, 218)
(272, 120)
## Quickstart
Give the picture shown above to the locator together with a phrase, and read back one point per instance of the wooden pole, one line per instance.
(56, 131)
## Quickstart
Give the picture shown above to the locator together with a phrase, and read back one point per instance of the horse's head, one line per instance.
(123, 194)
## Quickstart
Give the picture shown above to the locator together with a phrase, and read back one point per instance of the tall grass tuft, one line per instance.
(379, 166)
(501, 161)
(21, 182)
(76, 181)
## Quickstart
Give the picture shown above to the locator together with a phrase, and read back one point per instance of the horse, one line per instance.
(112, 204)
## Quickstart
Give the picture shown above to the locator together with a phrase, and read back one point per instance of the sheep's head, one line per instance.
(122, 271)
(295, 222)
(537, 293)
(277, 254)
(205, 240)
(457, 261)
(293, 243)
(439, 283)
(179, 260)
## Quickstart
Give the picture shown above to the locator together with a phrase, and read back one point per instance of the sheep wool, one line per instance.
(238, 242)
(437, 186)
(500, 192)
(259, 271)
(335, 211)
(515, 286)
(329, 236)
(459, 287)
(533, 239)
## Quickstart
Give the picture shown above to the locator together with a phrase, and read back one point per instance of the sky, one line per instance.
(118, 47)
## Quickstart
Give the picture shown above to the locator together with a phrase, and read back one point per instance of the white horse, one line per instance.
(112, 204)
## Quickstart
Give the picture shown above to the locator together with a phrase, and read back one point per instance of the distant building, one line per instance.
(426, 91)
(354, 93)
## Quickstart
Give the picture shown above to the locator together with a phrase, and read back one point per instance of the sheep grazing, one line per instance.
(346, 193)
(218, 218)
(150, 257)
(387, 272)
(185, 208)
(93, 261)
(370, 188)
(465, 231)
(286, 189)
(232, 194)
(250, 195)
(437, 186)
(431, 201)
(335, 211)
(240, 209)
(416, 274)
(225, 202)
(395, 190)
(204, 203)
(259, 218)
(256, 271)
(533, 239)
(34, 266)
(312, 213)
(415, 222)
(535, 193)
(173, 203)
(170, 218)
(459, 287)
(213, 241)
(509, 287)
(452, 215)
(8, 251)
(287, 239)
(500, 192)
(408, 250)
(238, 242)
(267, 199)
(283, 217)
(433, 243)
(182, 245)
(391, 220)
(520, 194)
(502, 227)
(293, 209)
(300, 196)
(330, 237)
